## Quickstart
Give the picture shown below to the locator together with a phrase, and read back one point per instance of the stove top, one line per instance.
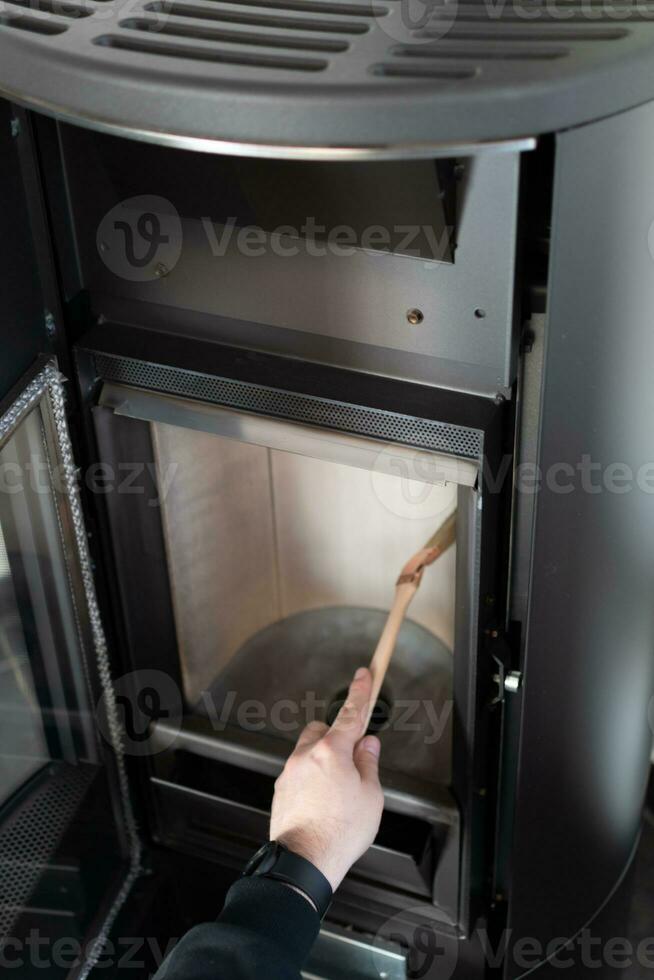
(328, 79)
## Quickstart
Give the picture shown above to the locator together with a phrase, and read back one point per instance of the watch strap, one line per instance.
(278, 863)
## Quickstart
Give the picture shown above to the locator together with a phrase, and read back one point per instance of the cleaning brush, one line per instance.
(405, 589)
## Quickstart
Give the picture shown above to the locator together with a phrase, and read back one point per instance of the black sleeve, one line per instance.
(265, 930)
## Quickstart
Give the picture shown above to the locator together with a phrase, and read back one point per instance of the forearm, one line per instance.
(265, 929)
(326, 811)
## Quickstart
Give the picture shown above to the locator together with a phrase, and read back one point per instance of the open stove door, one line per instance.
(68, 846)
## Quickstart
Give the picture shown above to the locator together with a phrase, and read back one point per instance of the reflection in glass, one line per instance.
(23, 748)
(43, 702)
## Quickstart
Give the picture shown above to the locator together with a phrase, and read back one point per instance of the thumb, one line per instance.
(366, 759)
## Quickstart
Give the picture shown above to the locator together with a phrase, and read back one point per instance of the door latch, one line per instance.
(508, 681)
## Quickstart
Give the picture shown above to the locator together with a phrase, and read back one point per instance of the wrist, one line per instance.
(277, 861)
(311, 848)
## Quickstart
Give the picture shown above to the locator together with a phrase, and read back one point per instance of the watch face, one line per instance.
(264, 860)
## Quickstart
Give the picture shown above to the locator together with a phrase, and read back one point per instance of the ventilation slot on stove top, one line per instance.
(310, 7)
(273, 21)
(468, 52)
(60, 8)
(35, 25)
(248, 38)
(574, 14)
(240, 58)
(492, 33)
(443, 73)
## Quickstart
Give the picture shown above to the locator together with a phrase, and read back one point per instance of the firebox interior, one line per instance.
(304, 554)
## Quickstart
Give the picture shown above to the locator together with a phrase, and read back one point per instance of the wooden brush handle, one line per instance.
(382, 656)
(405, 589)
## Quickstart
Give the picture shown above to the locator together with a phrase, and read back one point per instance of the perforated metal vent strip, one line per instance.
(354, 419)
(30, 837)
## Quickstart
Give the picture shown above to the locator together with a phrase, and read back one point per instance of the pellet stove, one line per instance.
(285, 283)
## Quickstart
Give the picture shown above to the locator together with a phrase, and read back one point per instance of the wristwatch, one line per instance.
(275, 861)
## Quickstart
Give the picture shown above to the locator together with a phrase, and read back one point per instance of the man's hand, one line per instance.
(328, 800)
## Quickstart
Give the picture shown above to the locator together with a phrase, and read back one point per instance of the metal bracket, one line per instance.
(498, 678)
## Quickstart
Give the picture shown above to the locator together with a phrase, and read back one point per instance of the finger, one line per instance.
(352, 720)
(311, 734)
(366, 759)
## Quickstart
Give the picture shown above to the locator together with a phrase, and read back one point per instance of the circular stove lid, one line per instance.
(327, 78)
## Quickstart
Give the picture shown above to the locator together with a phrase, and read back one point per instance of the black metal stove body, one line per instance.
(280, 367)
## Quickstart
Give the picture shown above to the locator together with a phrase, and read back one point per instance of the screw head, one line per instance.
(415, 317)
(162, 271)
